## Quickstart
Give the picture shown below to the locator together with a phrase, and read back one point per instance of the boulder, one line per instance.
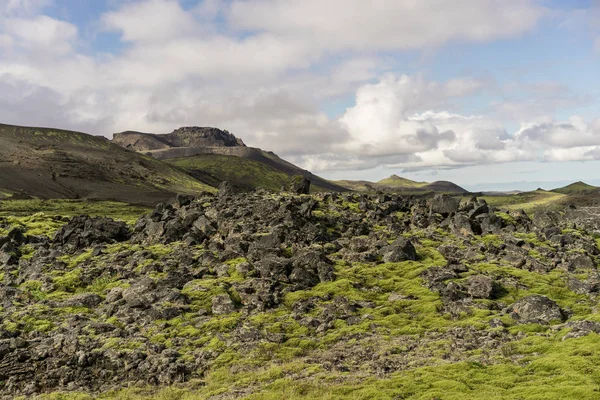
(300, 185)
(536, 309)
(444, 204)
(88, 300)
(84, 231)
(222, 304)
(463, 225)
(225, 189)
(480, 286)
(401, 250)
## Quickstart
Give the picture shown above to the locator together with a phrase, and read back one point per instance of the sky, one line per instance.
(490, 94)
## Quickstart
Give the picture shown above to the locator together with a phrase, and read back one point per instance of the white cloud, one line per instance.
(154, 21)
(22, 7)
(388, 127)
(6, 41)
(387, 24)
(41, 33)
(597, 45)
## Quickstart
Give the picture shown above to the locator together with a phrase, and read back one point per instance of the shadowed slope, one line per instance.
(53, 163)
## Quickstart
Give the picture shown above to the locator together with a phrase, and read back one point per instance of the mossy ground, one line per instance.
(536, 363)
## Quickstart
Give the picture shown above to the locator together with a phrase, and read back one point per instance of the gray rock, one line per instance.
(300, 185)
(89, 300)
(536, 309)
(401, 250)
(480, 286)
(222, 304)
(444, 204)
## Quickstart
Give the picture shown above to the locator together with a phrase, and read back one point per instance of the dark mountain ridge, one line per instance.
(54, 163)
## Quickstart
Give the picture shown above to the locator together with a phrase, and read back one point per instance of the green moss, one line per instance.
(34, 288)
(69, 281)
(48, 209)
(507, 218)
(494, 240)
(239, 171)
(73, 261)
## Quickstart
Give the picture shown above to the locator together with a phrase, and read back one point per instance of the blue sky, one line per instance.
(489, 94)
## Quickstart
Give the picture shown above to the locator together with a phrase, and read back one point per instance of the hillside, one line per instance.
(397, 184)
(53, 163)
(577, 188)
(212, 156)
(269, 296)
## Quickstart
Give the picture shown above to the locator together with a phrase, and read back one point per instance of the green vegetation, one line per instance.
(396, 181)
(527, 201)
(238, 171)
(577, 188)
(116, 210)
(241, 172)
(44, 217)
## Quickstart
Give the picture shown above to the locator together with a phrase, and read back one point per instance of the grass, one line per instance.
(241, 172)
(576, 188)
(552, 369)
(69, 208)
(45, 217)
(527, 201)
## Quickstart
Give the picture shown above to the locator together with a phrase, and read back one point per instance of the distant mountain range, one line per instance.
(147, 168)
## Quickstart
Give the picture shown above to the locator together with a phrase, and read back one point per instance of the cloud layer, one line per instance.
(267, 69)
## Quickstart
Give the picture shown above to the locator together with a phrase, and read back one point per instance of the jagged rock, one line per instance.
(84, 231)
(536, 309)
(546, 219)
(9, 254)
(444, 204)
(141, 294)
(300, 185)
(453, 254)
(582, 262)
(401, 250)
(480, 286)
(89, 300)
(463, 225)
(581, 329)
(225, 189)
(585, 287)
(222, 304)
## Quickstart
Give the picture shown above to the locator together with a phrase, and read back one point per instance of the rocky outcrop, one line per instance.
(192, 137)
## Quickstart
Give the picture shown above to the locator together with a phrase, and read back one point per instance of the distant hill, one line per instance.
(577, 188)
(394, 183)
(397, 181)
(212, 156)
(54, 163)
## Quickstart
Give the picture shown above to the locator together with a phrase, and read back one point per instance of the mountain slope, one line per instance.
(212, 156)
(577, 188)
(53, 163)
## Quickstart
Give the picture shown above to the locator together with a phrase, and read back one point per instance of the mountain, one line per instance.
(394, 183)
(577, 188)
(212, 155)
(54, 163)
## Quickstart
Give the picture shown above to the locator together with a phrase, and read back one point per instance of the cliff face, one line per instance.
(183, 137)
